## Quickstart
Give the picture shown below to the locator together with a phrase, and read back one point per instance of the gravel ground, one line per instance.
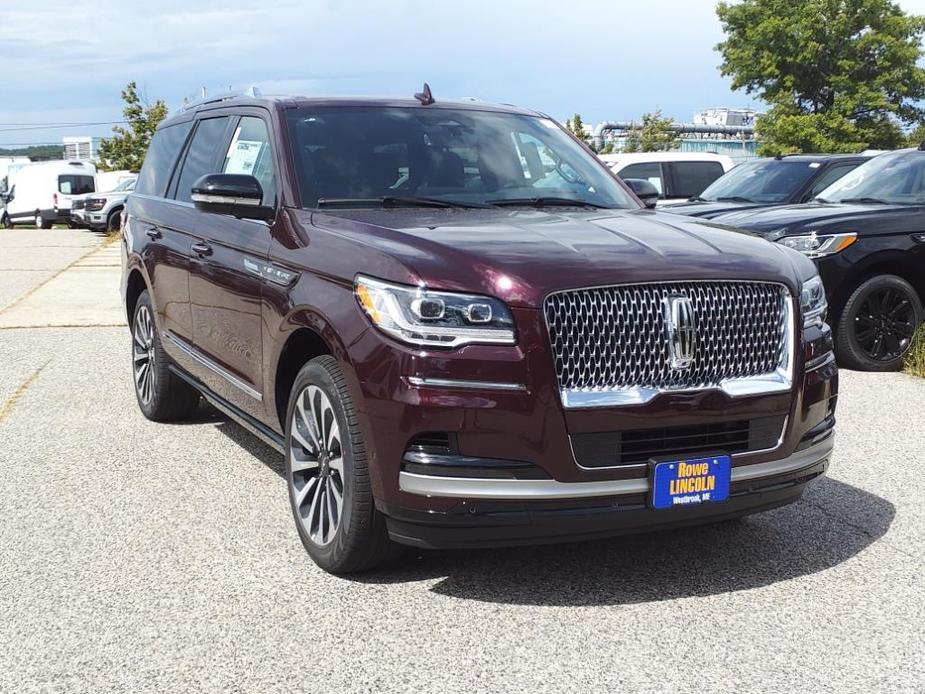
(140, 557)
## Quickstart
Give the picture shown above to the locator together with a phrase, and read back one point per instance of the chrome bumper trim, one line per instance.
(457, 383)
(498, 489)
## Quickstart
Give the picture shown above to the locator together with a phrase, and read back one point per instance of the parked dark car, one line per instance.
(767, 182)
(866, 234)
(462, 330)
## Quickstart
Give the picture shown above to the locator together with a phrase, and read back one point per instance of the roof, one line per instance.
(288, 101)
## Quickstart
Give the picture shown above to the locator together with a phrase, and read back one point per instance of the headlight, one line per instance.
(815, 246)
(420, 316)
(813, 304)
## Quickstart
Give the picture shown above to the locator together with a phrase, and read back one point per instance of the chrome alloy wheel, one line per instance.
(143, 354)
(316, 463)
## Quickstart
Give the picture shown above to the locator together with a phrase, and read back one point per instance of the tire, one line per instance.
(161, 395)
(876, 325)
(328, 475)
(41, 222)
(114, 221)
(6, 222)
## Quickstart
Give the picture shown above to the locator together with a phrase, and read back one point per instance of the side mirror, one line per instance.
(239, 195)
(644, 190)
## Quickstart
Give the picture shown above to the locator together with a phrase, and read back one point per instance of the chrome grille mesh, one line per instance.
(614, 338)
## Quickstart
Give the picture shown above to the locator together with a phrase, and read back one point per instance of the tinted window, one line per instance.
(201, 156)
(829, 176)
(648, 171)
(70, 184)
(897, 177)
(690, 178)
(357, 155)
(762, 180)
(159, 161)
(250, 153)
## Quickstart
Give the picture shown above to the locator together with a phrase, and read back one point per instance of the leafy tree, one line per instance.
(838, 75)
(654, 134)
(126, 149)
(577, 127)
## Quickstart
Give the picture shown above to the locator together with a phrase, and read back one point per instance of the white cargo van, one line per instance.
(678, 176)
(41, 193)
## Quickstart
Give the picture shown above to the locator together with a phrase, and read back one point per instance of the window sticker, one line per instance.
(242, 155)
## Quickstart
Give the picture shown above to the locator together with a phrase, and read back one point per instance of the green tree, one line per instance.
(838, 75)
(656, 135)
(578, 128)
(126, 149)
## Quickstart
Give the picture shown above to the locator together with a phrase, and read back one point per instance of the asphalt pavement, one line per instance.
(144, 557)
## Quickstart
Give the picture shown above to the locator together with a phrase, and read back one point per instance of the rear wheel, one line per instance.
(328, 475)
(877, 323)
(41, 222)
(162, 396)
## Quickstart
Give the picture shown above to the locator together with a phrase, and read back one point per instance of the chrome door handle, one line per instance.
(201, 248)
(153, 233)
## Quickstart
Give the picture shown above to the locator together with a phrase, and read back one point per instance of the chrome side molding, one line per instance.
(200, 358)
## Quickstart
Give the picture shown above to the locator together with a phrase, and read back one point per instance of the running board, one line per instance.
(256, 427)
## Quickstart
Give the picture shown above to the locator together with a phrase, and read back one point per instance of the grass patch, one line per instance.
(915, 359)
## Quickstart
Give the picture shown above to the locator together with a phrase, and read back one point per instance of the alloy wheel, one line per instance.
(316, 463)
(884, 324)
(143, 354)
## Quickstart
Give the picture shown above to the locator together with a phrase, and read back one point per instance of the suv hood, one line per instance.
(520, 256)
(803, 219)
(709, 210)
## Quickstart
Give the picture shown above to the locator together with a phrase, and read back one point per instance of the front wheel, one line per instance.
(328, 475)
(877, 323)
(6, 222)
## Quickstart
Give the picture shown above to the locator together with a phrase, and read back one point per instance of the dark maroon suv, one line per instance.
(462, 331)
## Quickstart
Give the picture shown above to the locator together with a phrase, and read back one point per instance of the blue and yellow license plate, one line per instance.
(678, 483)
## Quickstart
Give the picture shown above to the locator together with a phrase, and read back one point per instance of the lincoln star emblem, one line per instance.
(680, 330)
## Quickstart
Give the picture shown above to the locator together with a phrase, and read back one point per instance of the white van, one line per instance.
(678, 176)
(41, 193)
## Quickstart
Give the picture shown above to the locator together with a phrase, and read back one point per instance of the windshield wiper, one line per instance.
(697, 198)
(397, 201)
(544, 202)
(867, 201)
(734, 198)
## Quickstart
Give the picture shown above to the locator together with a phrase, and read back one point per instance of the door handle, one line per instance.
(201, 248)
(153, 233)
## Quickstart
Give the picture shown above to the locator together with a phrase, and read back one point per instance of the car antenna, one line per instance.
(425, 97)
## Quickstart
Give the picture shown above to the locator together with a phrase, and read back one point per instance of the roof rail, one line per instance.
(252, 92)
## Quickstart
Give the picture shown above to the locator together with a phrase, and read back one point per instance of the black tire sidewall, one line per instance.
(850, 353)
(318, 373)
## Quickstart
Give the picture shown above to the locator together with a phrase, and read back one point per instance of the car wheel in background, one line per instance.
(41, 222)
(328, 476)
(6, 222)
(114, 221)
(877, 323)
(162, 396)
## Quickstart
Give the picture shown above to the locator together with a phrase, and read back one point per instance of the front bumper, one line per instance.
(543, 511)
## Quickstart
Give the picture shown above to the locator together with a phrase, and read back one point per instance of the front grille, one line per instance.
(614, 338)
(637, 447)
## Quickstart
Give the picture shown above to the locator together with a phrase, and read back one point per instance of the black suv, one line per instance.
(462, 330)
(867, 236)
(766, 182)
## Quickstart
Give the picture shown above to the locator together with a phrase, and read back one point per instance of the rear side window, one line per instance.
(648, 171)
(690, 178)
(71, 184)
(250, 153)
(159, 161)
(201, 157)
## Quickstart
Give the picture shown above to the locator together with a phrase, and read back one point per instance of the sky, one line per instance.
(65, 62)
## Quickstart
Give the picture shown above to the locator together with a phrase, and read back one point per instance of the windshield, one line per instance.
(762, 180)
(365, 155)
(127, 185)
(894, 178)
